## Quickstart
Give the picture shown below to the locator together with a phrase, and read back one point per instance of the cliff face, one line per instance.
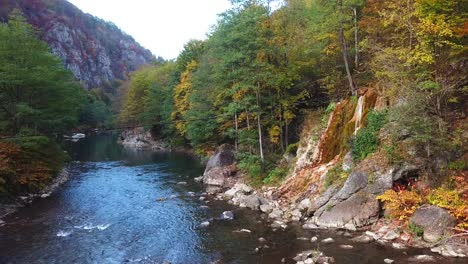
(97, 52)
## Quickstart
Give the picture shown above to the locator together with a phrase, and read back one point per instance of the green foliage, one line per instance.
(275, 176)
(252, 165)
(393, 154)
(36, 92)
(366, 141)
(415, 229)
(292, 149)
(335, 176)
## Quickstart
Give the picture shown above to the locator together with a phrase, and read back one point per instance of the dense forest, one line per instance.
(253, 80)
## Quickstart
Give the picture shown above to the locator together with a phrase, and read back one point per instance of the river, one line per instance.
(125, 206)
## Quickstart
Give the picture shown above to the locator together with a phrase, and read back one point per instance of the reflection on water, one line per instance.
(111, 211)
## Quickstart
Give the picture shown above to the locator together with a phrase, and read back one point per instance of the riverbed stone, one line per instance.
(388, 261)
(227, 215)
(434, 220)
(362, 239)
(276, 213)
(452, 250)
(266, 208)
(391, 235)
(205, 224)
(250, 201)
(421, 258)
(328, 240)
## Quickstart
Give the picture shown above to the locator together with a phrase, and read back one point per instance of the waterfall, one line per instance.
(358, 114)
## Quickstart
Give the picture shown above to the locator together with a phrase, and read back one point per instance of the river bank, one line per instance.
(225, 182)
(22, 200)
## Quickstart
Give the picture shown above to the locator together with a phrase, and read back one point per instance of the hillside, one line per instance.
(96, 51)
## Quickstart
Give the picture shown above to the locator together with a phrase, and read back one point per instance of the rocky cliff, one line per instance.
(96, 51)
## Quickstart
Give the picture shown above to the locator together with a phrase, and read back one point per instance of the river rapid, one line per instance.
(125, 206)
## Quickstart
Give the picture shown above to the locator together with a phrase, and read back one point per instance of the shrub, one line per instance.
(335, 175)
(415, 229)
(275, 176)
(450, 200)
(366, 140)
(292, 149)
(252, 165)
(400, 205)
(392, 154)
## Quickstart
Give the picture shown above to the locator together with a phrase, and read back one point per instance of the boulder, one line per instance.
(220, 166)
(360, 209)
(434, 220)
(250, 201)
(224, 156)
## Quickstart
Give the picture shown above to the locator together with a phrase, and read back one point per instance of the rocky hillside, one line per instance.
(96, 51)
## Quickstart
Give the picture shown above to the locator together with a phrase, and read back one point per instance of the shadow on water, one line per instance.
(124, 206)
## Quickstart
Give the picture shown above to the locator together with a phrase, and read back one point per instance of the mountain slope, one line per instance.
(96, 51)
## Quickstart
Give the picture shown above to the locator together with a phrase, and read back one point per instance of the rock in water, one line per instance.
(227, 215)
(434, 220)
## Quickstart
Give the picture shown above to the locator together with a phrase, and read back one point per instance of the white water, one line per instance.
(358, 114)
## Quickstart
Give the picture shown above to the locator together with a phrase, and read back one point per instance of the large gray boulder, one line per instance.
(434, 220)
(220, 166)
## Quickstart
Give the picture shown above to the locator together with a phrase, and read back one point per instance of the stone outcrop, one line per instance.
(220, 167)
(95, 51)
(139, 138)
(434, 220)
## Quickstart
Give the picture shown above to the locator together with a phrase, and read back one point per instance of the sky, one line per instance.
(162, 26)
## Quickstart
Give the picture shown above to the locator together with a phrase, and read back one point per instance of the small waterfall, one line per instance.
(358, 114)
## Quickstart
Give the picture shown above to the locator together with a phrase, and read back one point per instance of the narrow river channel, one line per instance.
(124, 206)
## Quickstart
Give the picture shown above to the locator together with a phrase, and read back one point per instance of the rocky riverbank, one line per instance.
(22, 200)
(139, 138)
(352, 210)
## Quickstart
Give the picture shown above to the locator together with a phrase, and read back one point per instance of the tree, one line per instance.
(37, 95)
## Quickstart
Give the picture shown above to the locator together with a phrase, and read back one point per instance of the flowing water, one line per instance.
(124, 206)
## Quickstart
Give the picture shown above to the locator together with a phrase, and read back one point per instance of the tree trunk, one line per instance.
(356, 45)
(344, 51)
(236, 145)
(260, 141)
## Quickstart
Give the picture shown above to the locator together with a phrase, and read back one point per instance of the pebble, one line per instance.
(391, 235)
(422, 258)
(398, 246)
(346, 247)
(261, 240)
(328, 240)
(314, 239)
(182, 183)
(362, 239)
(388, 261)
(227, 215)
(205, 224)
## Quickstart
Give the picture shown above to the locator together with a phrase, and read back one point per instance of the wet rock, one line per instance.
(276, 213)
(388, 261)
(227, 215)
(266, 208)
(452, 250)
(262, 240)
(421, 258)
(314, 239)
(279, 224)
(328, 240)
(305, 204)
(202, 198)
(346, 247)
(198, 179)
(182, 183)
(205, 224)
(434, 220)
(391, 235)
(250, 201)
(373, 235)
(362, 239)
(398, 246)
(350, 227)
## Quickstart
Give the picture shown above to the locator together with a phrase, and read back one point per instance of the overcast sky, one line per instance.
(162, 26)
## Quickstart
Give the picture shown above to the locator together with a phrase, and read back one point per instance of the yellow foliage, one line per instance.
(275, 133)
(181, 97)
(401, 205)
(453, 202)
